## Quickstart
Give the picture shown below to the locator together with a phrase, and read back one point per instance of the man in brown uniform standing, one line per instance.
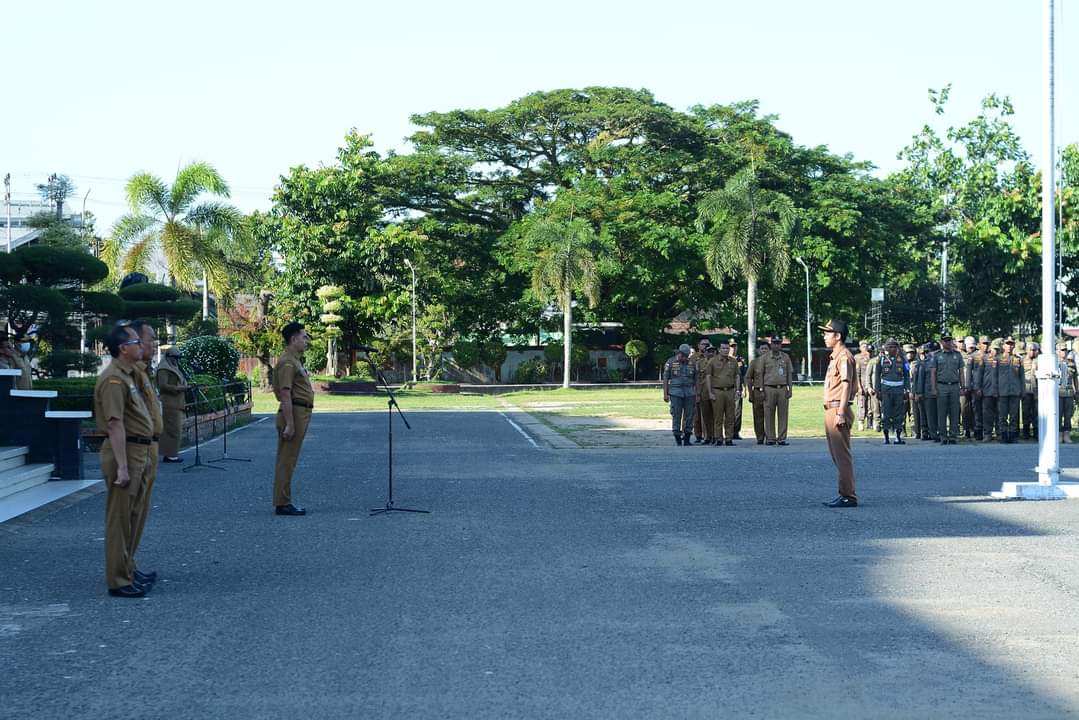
(776, 372)
(148, 344)
(860, 361)
(120, 412)
(839, 382)
(724, 384)
(698, 358)
(755, 388)
(293, 390)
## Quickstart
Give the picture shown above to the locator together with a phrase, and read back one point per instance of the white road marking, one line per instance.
(519, 429)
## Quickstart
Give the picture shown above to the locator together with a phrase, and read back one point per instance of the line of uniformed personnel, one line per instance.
(705, 388)
(984, 390)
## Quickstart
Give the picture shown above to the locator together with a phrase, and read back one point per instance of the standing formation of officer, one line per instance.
(776, 376)
(891, 384)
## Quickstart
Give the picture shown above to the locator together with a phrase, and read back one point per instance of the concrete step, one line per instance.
(24, 477)
(12, 457)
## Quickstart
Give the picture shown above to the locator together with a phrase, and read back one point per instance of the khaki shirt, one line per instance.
(118, 395)
(776, 369)
(153, 400)
(754, 376)
(949, 365)
(20, 363)
(1030, 375)
(860, 361)
(722, 373)
(839, 380)
(289, 373)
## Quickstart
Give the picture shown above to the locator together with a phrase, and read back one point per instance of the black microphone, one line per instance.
(365, 348)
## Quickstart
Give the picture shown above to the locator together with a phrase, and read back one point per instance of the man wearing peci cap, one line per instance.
(946, 377)
(839, 389)
(680, 390)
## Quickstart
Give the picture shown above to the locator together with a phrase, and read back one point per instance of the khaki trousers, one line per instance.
(704, 407)
(123, 506)
(173, 416)
(839, 447)
(776, 403)
(288, 452)
(723, 414)
(143, 510)
(758, 415)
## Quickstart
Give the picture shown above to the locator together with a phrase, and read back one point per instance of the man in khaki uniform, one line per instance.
(733, 344)
(1068, 385)
(966, 400)
(699, 357)
(15, 357)
(865, 353)
(704, 397)
(1029, 409)
(148, 344)
(755, 387)
(724, 384)
(120, 411)
(839, 382)
(292, 387)
(776, 376)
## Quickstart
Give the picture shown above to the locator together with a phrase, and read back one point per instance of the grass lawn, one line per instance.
(806, 413)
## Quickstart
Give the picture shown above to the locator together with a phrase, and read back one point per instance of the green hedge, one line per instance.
(75, 393)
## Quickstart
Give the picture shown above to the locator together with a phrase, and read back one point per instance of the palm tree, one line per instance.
(748, 230)
(565, 262)
(193, 234)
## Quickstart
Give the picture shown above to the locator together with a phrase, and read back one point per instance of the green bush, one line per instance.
(197, 327)
(74, 393)
(533, 370)
(314, 359)
(208, 355)
(57, 363)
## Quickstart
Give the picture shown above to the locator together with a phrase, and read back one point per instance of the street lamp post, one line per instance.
(809, 330)
(413, 271)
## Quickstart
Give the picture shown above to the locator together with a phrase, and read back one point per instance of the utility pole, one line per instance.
(7, 202)
(944, 288)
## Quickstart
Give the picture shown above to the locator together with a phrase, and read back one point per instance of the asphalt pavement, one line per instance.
(546, 582)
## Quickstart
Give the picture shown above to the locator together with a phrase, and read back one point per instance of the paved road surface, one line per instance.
(651, 583)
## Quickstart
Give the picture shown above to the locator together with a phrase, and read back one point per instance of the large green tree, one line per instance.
(749, 231)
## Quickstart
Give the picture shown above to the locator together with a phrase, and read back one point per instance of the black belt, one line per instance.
(776, 386)
(309, 406)
(142, 439)
(944, 383)
(729, 387)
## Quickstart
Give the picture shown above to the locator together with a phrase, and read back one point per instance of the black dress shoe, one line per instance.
(842, 502)
(728, 442)
(782, 442)
(760, 442)
(145, 578)
(172, 459)
(900, 441)
(770, 442)
(737, 436)
(289, 509)
(128, 591)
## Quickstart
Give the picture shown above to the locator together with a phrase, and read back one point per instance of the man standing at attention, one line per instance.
(724, 385)
(680, 390)
(892, 385)
(776, 371)
(860, 361)
(755, 388)
(839, 381)
(946, 381)
(293, 389)
(121, 412)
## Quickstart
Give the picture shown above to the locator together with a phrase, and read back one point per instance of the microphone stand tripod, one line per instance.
(225, 436)
(390, 405)
(198, 459)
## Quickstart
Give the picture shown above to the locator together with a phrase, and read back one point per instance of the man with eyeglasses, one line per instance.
(121, 412)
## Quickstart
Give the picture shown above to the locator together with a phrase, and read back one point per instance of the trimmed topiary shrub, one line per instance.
(531, 371)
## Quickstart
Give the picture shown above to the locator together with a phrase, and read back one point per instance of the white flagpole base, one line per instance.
(1036, 491)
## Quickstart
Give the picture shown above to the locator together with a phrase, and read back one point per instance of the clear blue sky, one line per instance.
(100, 90)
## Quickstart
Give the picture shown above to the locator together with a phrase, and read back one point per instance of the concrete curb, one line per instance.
(539, 430)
